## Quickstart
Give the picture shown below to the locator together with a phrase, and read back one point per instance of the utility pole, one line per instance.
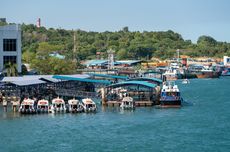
(74, 47)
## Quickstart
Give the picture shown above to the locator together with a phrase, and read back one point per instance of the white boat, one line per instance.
(74, 106)
(58, 105)
(127, 103)
(171, 74)
(43, 106)
(27, 106)
(89, 105)
(185, 81)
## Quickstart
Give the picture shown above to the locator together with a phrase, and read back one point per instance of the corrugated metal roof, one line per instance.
(27, 82)
(143, 83)
(109, 76)
(81, 79)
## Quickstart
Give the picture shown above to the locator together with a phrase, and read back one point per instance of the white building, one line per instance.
(226, 61)
(10, 46)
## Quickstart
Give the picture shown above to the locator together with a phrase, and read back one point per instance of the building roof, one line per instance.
(142, 83)
(96, 62)
(27, 82)
(109, 76)
(81, 79)
(147, 79)
(129, 61)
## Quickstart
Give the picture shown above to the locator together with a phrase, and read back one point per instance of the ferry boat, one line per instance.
(74, 106)
(43, 106)
(171, 74)
(89, 105)
(170, 95)
(127, 103)
(58, 105)
(27, 106)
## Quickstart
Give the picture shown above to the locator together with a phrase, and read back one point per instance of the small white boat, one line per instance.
(43, 106)
(89, 105)
(58, 105)
(27, 106)
(127, 103)
(185, 81)
(74, 106)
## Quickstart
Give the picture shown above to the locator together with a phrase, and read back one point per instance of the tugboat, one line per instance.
(27, 106)
(127, 103)
(74, 106)
(43, 106)
(58, 105)
(170, 95)
(89, 105)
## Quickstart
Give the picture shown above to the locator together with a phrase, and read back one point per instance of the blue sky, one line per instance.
(190, 18)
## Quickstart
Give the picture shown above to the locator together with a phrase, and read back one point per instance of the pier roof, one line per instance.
(109, 76)
(147, 79)
(81, 79)
(142, 83)
(28, 82)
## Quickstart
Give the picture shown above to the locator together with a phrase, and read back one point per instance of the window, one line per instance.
(9, 45)
(9, 59)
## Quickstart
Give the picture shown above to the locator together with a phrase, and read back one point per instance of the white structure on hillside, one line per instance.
(226, 60)
(10, 46)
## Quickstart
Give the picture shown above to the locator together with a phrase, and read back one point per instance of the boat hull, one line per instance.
(170, 103)
(207, 75)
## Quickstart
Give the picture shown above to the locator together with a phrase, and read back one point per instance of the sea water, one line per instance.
(202, 124)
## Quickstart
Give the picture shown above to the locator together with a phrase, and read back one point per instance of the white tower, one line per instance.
(110, 58)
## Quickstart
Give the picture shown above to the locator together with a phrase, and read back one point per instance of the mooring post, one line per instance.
(103, 96)
(4, 104)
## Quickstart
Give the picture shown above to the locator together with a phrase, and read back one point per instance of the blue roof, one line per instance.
(128, 61)
(143, 83)
(109, 76)
(147, 79)
(96, 62)
(81, 79)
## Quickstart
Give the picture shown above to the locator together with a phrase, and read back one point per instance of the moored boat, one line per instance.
(127, 103)
(185, 81)
(226, 72)
(58, 105)
(74, 106)
(27, 106)
(170, 95)
(43, 106)
(89, 105)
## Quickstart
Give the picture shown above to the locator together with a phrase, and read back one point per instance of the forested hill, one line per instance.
(127, 44)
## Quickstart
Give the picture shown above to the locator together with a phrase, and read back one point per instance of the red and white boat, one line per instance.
(43, 106)
(27, 106)
(58, 105)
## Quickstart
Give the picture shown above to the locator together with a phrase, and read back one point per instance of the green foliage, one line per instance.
(37, 43)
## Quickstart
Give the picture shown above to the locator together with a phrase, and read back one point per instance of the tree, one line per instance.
(11, 69)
